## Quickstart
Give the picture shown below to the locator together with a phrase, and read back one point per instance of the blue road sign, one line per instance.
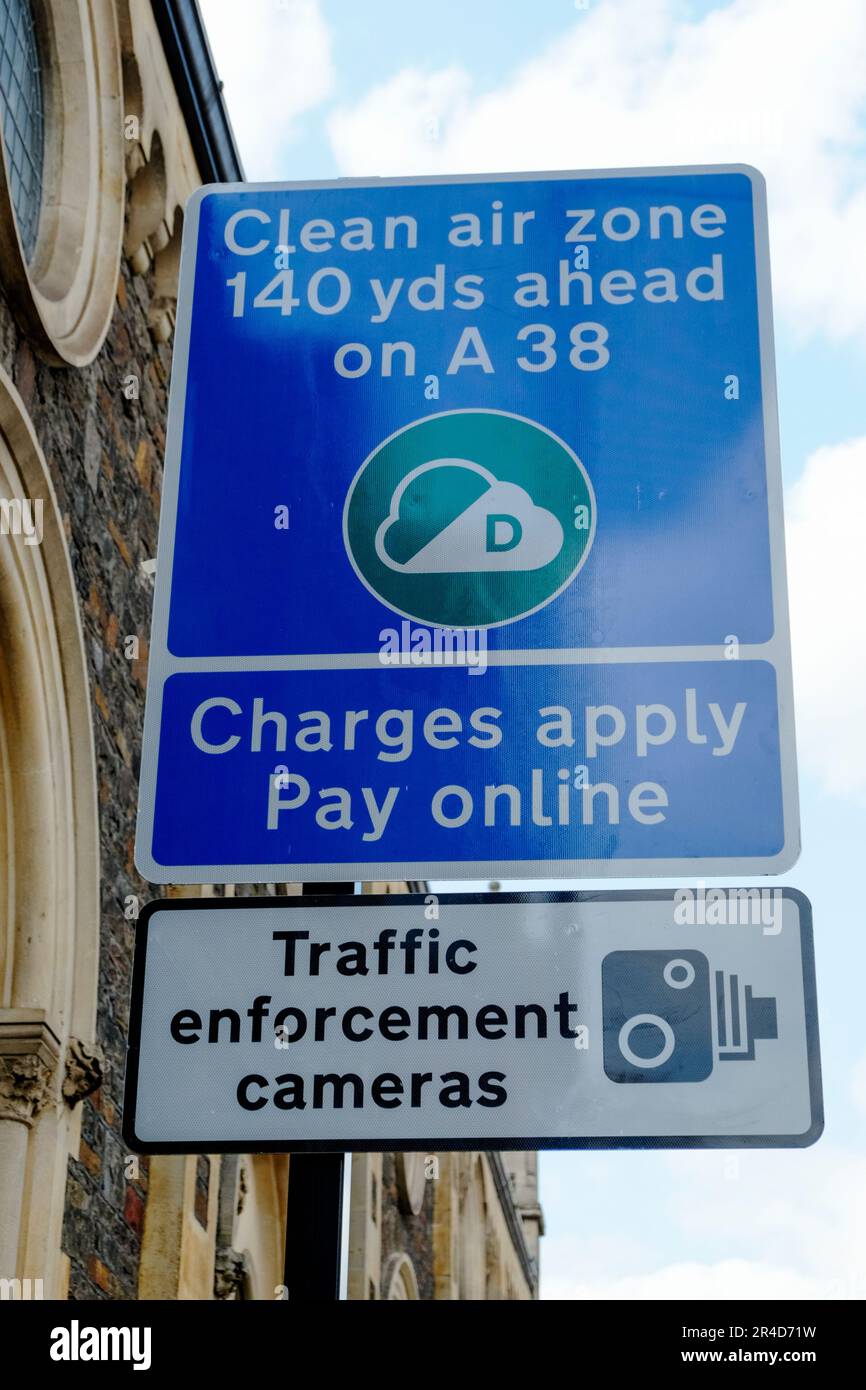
(471, 557)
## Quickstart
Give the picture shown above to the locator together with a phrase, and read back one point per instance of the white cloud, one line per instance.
(858, 1085)
(741, 1279)
(532, 535)
(824, 528)
(274, 57)
(403, 125)
(635, 82)
(763, 1225)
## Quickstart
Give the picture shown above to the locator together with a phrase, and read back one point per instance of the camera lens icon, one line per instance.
(658, 1022)
(679, 974)
(644, 1021)
(657, 1016)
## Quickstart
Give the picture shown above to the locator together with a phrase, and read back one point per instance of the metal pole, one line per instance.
(314, 1221)
(314, 1210)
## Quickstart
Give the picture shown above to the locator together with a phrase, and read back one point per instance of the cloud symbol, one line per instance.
(501, 529)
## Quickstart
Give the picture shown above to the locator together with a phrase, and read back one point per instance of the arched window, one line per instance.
(23, 116)
(61, 172)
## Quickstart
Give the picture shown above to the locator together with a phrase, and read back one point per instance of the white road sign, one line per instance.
(543, 1020)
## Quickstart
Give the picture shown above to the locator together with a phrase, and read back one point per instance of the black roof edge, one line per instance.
(199, 90)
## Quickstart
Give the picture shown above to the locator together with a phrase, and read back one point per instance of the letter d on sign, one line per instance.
(495, 539)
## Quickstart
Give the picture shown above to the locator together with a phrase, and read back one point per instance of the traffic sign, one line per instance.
(540, 1020)
(471, 552)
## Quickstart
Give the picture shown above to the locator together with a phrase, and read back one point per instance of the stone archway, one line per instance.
(49, 860)
(398, 1280)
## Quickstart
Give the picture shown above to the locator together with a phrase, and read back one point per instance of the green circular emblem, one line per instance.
(471, 518)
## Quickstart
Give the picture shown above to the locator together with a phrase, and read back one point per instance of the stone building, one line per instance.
(112, 115)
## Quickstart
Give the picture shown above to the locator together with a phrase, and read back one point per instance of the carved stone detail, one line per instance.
(229, 1273)
(85, 1071)
(25, 1087)
(29, 1051)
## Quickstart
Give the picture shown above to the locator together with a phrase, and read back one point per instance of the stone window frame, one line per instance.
(64, 297)
(49, 867)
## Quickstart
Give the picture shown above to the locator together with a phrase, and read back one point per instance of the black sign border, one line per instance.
(450, 1145)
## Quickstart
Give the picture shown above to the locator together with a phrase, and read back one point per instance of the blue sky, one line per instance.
(323, 88)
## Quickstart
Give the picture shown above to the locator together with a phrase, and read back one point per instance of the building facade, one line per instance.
(112, 115)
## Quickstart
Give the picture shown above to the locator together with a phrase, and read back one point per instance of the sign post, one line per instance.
(317, 1215)
(471, 564)
(537, 1020)
(314, 1227)
(471, 558)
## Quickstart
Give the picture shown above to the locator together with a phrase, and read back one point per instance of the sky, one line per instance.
(331, 88)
